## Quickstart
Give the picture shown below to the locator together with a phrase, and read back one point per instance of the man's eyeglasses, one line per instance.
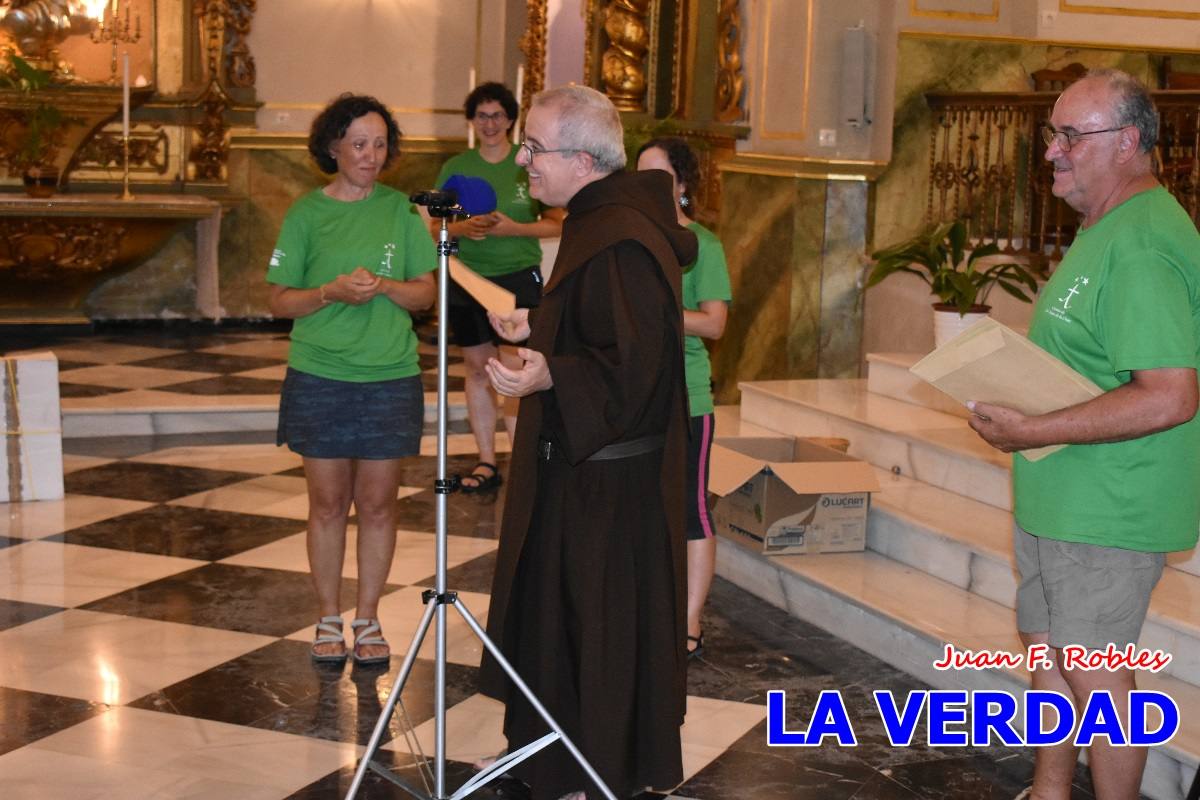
(530, 151)
(496, 116)
(1064, 140)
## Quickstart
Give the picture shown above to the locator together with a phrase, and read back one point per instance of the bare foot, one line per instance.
(483, 763)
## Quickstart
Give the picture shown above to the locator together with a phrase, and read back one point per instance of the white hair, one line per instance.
(587, 122)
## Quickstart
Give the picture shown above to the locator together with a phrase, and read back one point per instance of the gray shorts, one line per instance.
(1083, 594)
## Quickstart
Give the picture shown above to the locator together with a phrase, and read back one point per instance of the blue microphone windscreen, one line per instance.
(475, 195)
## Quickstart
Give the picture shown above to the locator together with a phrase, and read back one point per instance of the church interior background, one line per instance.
(154, 622)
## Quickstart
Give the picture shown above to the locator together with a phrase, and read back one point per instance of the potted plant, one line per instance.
(39, 129)
(961, 280)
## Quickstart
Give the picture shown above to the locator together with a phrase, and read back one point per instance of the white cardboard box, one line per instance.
(31, 465)
(790, 496)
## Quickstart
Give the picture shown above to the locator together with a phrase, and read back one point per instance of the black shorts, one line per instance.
(699, 516)
(468, 319)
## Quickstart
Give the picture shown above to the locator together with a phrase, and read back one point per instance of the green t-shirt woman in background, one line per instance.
(352, 260)
(706, 296)
(503, 247)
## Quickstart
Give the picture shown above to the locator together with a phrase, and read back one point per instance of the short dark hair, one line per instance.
(495, 93)
(683, 160)
(331, 124)
(1134, 106)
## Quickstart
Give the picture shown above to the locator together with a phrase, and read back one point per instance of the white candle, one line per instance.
(470, 125)
(125, 98)
(520, 88)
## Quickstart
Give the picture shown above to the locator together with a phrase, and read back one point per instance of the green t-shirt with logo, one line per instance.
(322, 238)
(1126, 297)
(707, 279)
(498, 255)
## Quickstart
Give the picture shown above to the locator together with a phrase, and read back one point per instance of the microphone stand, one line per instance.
(443, 205)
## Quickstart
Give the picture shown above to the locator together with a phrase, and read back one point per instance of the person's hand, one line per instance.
(533, 376)
(503, 225)
(512, 327)
(1003, 428)
(355, 288)
(475, 227)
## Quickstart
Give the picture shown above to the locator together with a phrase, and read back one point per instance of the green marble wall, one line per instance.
(793, 242)
(263, 183)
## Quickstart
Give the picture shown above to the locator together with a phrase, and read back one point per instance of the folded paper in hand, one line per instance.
(494, 298)
(993, 364)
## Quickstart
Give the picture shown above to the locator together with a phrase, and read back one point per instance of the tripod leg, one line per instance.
(533, 701)
(385, 716)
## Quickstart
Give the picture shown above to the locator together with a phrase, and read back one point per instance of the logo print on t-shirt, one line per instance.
(1063, 304)
(385, 264)
(522, 193)
(1074, 290)
(276, 256)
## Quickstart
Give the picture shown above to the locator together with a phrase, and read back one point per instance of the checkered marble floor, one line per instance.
(182, 371)
(154, 630)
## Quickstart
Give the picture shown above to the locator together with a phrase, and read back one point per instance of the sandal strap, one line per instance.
(329, 631)
(366, 635)
(481, 477)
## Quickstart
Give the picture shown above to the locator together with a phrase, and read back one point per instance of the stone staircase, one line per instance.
(938, 567)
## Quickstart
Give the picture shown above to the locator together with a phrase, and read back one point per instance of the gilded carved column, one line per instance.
(227, 63)
(623, 67)
(731, 80)
(533, 45)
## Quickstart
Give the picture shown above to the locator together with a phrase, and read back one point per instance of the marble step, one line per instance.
(905, 617)
(968, 544)
(931, 446)
(888, 376)
(146, 412)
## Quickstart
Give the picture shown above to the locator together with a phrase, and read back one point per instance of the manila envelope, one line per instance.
(497, 299)
(994, 364)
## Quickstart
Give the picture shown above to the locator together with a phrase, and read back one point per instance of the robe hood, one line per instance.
(645, 195)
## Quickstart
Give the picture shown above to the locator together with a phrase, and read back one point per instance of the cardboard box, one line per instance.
(790, 496)
(31, 466)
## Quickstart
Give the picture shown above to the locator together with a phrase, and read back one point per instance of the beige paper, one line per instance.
(993, 364)
(497, 299)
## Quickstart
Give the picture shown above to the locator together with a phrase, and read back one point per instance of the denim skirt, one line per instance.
(325, 418)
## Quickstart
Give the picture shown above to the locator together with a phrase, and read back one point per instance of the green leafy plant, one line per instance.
(42, 120)
(938, 256)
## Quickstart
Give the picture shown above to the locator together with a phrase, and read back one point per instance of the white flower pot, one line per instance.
(948, 323)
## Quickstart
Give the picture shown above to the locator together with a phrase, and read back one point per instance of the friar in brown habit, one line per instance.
(589, 598)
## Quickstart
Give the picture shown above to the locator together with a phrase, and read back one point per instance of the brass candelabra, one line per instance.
(116, 29)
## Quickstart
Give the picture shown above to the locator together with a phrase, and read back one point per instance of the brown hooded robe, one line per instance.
(589, 599)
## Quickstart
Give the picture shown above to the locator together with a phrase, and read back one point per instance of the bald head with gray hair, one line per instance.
(587, 122)
(1133, 107)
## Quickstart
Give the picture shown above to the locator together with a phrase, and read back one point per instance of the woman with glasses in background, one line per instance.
(501, 246)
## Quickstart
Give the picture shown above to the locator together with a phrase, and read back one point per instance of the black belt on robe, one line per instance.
(548, 450)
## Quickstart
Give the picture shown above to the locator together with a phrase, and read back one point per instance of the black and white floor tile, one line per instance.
(154, 628)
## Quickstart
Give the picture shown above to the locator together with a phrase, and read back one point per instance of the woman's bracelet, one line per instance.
(321, 292)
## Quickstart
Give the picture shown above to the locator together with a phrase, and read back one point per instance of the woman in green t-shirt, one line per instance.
(352, 260)
(706, 298)
(501, 246)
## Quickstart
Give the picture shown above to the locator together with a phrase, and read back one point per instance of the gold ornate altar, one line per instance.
(173, 154)
(54, 251)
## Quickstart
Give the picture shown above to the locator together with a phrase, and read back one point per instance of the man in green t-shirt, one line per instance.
(1094, 520)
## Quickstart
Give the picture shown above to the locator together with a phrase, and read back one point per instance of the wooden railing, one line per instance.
(987, 164)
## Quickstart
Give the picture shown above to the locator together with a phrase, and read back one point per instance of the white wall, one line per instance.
(414, 55)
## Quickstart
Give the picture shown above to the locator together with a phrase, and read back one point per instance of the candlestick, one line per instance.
(125, 95)
(471, 125)
(125, 193)
(520, 88)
